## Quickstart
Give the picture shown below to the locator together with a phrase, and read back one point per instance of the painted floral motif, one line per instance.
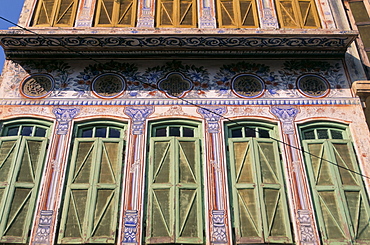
(15, 73)
(198, 75)
(82, 83)
(292, 69)
(60, 71)
(223, 78)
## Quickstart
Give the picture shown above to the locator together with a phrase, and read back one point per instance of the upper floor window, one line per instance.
(91, 202)
(110, 13)
(237, 13)
(297, 14)
(176, 13)
(23, 146)
(341, 204)
(55, 13)
(257, 192)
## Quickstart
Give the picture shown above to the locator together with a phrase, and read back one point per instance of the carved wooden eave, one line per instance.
(74, 43)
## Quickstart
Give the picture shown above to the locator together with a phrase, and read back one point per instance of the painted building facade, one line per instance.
(185, 122)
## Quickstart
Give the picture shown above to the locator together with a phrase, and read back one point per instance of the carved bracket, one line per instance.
(286, 114)
(212, 116)
(138, 115)
(64, 116)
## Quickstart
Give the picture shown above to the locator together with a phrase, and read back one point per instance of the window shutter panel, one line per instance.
(186, 13)
(44, 13)
(21, 191)
(277, 226)
(287, 14)
(247, 217)
(65, 13)
(308, 12)
(189, 221)
(248, 15)
(226, 12)
(104, 14)
(126, 13)
(166, 13)
(161, 186)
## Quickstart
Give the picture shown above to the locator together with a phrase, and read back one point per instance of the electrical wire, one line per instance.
(198, 106)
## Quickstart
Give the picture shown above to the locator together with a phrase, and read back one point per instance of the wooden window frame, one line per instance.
(97, 150)
(175, 17)
(262, 228)
(174, 191)
(12, 183)
(115, 14)
(329, 152)
(55, 11)
(237, 15)
(298, 17)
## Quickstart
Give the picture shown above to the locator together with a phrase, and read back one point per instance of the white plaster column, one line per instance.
(220, 231)
(27, 13)
(297, 183)
(267, 14)
(145, 13)
(130, 232)
(85, 13)
(44, 227)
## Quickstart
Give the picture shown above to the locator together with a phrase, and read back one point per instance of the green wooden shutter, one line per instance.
(21, 162)
(342, 206)
(258, 195)
(90, 209)
(174, 187)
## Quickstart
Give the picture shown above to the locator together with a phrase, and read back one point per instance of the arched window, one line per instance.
(237, 13)
(174, 206)
(23, 146)
(55, 13)
(90, 209)
(297, 14)
(341, 204)
(258, 197)
(116, 13)
(176, 13)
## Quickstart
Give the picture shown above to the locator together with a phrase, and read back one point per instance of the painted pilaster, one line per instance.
(215, 175)
(134, 172)
(51, 189)
(145, 15)
(306, 228)
(207, 18)
(267, 14)
(27, 13)
(85, 13)
(326, 15)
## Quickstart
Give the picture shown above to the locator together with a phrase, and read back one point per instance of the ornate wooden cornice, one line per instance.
(20, 44)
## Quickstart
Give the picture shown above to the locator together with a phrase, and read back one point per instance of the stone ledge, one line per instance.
(361, 88)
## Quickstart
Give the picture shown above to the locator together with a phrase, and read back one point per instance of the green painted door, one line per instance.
(174, 211)
(90, 211)
(259, 203)
(21, 164)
